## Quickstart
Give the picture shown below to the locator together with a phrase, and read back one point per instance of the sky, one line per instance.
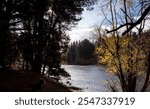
(85, 26)
(89, 20)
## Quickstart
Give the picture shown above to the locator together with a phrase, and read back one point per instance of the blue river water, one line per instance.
(91, 78)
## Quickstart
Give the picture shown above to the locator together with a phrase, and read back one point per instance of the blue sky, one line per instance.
(90, 19)
(85, 26)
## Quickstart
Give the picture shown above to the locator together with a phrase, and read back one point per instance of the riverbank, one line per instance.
(89, 78)
(21, 81)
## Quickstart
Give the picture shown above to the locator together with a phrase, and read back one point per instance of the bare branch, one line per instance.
(126, 14)
(132, 25)
(147, 10)
(121, 26)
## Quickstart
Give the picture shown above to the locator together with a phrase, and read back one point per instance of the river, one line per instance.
(89, 78)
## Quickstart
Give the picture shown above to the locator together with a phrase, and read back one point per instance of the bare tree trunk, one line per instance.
(146, 83)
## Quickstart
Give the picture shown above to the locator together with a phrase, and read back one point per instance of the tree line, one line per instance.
(81, 53)
(33, 32)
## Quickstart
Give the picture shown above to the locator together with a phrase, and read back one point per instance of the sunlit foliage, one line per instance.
(124, 57)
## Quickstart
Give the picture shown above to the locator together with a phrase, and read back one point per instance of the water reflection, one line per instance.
(90, 78)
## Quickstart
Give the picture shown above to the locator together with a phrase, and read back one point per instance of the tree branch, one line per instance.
(132, 25)
(121, 26)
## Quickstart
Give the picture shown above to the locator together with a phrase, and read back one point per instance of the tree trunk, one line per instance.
(146, 83)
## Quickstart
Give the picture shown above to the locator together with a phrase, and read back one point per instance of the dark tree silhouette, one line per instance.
(132, 25)
(81, 53)
(33, 32)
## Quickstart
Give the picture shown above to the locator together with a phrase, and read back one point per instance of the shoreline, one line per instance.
(23, 81)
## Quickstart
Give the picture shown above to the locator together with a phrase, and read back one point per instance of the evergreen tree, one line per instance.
(39, 30)
(81, 53)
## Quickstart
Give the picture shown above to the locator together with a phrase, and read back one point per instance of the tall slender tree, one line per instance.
(40, 27)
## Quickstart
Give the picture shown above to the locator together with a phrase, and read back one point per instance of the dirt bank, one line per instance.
(21, 81)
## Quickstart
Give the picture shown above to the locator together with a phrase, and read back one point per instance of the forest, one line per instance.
(33, 35)
(81, 53)
(34, 43)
